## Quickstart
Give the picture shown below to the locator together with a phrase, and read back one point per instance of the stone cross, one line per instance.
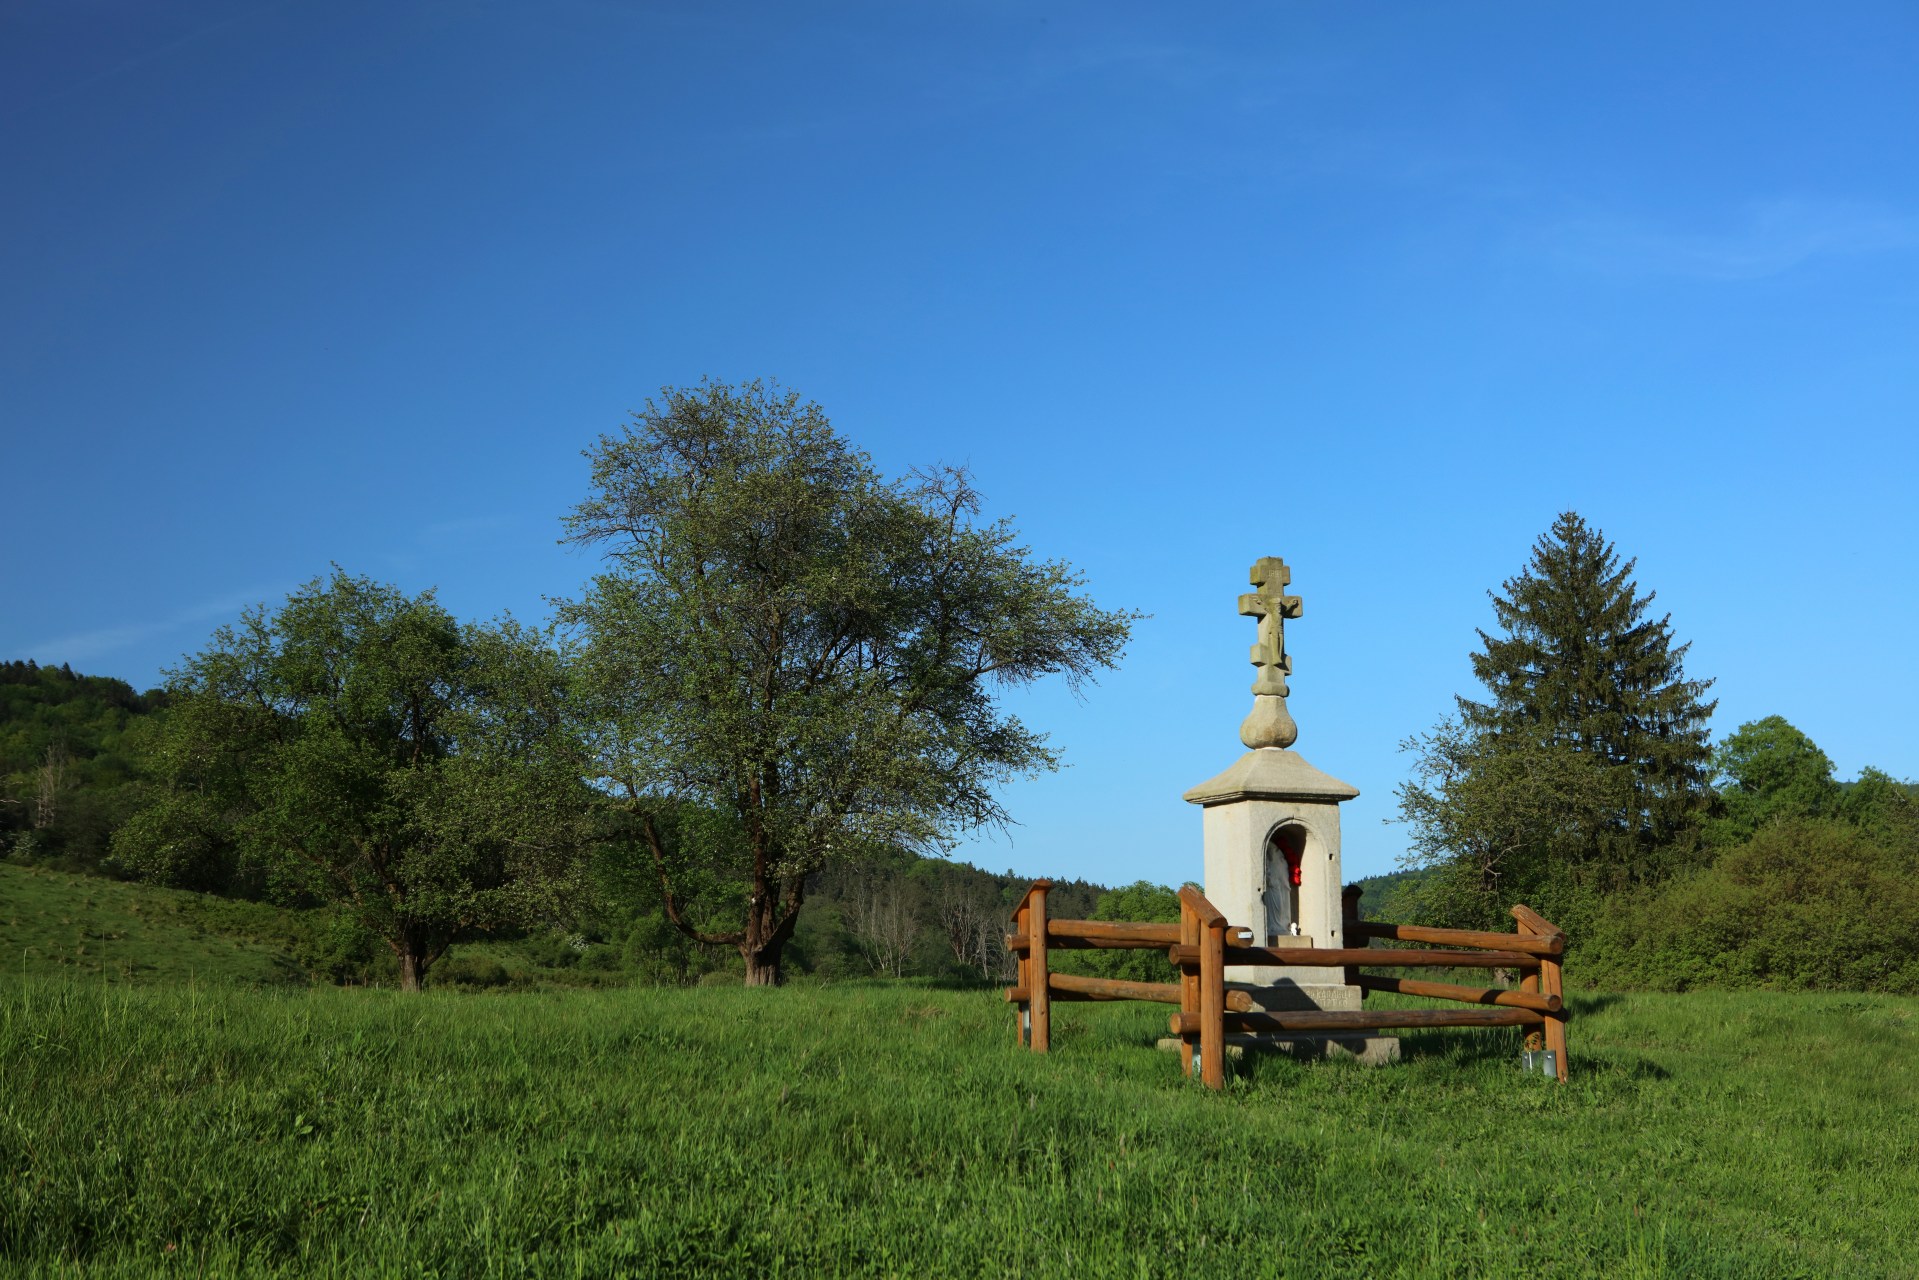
(1272, 606)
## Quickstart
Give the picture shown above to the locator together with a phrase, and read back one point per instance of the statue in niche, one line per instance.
(1284, 850)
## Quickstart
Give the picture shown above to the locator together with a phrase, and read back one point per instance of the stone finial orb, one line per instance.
(1268, 724)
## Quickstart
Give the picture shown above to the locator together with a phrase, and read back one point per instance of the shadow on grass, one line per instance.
(1464, 1045)
(1458, 1047)
(952, 983)
(1635, 1069)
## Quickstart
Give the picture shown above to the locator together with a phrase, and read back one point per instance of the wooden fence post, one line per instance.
(1212, 1005)
(1550, 985)
(1188, 985)
(1036, 969)
(1529, 985)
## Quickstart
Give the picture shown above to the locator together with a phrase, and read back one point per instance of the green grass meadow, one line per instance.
(90, 927)
(895, 1129)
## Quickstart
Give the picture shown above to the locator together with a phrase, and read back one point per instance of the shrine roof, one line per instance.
(1271, 773)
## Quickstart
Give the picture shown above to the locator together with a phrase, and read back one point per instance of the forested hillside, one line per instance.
(69, 762)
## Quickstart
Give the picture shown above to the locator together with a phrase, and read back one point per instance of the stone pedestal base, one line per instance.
(1373, 1050)
(1275, 993)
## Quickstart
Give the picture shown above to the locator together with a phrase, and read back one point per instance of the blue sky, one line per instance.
(1378, 288)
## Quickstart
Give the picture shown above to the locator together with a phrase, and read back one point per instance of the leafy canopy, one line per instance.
(802, 651)
(361, 746)
(1496, 819)
(1768, 769)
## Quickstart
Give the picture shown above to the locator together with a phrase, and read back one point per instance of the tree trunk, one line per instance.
(414, 959)
(763, 968)
(770, 918)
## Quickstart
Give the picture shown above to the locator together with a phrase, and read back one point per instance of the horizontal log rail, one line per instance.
(1202, 946)
(1552, 945)
(1339, 957)
(1465, 995)
(1076, 986)
(1020, 944)
(1531, 921)
(1360, 1019)
(1072, 935)
(1112, 935)
(1144, 932)
(1119, 941)
(1209, 916)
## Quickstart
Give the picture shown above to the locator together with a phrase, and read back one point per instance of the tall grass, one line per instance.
(896, 1130)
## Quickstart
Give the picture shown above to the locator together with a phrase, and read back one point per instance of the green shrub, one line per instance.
(1804, 905)
(659, 955)
(471, 971)
(339, 949)
(1142, 901)
(554, 951)
(601, 957)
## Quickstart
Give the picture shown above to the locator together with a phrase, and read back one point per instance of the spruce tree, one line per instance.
(1580, 665)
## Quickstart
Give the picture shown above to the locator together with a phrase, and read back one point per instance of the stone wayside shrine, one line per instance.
(1271, 824)
(1271, 954)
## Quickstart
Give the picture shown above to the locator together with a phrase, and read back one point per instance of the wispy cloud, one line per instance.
(432, 546)
(1766, 238)
(83, 646)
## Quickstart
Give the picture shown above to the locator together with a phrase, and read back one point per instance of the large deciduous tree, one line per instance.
(362, 747)
(1768, 770)
(1495, 819)
(791, 659)
(1588, 761)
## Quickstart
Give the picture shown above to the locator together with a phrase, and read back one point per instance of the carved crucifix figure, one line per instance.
(1269, 724)
(1272, 606)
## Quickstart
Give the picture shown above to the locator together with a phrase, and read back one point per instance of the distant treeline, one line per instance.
(1794, 880)
(73, 770)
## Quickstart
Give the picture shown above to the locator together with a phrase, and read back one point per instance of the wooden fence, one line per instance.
(1203, 944)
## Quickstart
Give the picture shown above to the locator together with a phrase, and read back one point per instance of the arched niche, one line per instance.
(1283, 869)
